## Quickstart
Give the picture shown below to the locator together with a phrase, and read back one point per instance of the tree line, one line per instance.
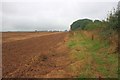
(107, 27)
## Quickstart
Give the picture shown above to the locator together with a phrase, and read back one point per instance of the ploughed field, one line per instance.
(57, 55)
(33, 54)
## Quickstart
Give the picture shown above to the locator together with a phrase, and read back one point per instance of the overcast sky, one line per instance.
(50, 14)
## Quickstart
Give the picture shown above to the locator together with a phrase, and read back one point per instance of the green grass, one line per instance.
(72, 44)
(95, 56)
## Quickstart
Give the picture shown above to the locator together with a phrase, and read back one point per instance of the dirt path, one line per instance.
(35, 57)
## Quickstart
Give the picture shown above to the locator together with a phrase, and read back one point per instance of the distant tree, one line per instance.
(90, 26)
(97, 21)
(80, 24)
(94, 25)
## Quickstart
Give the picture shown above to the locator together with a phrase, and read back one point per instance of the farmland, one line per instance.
(60, 39)
(30, 55)
(56, 55)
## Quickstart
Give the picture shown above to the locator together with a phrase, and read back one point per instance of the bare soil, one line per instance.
(34, 55)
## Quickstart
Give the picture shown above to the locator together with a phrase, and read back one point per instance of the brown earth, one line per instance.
(13, 36)
(37, 54)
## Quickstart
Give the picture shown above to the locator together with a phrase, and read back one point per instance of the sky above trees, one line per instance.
(50, 14)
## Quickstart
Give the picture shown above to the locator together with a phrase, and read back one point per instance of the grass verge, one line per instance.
(98, 62)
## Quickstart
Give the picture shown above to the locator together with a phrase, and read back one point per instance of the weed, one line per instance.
(95, 54)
